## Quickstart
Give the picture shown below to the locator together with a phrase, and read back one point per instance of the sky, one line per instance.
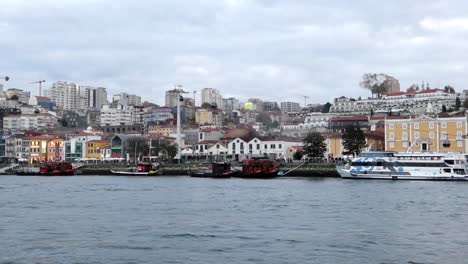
(271, 49)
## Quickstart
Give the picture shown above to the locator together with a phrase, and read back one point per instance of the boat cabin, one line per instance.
(146, 167)
(257, 165)
(221, 167)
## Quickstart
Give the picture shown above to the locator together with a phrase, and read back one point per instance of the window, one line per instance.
(459, 124)
(431, 134)
(258, 146)
(391, 126)
(416, 134)
(404, 136)
(280, 146)
(241, 145)
(405, 144)
(404, 125)
(459, 143)
(391, 144)
(443, 135)
(272, 146)
(391, 136)
(459, 134)
(443, 125)
(266, 146)
(234, 146)
(416, 125)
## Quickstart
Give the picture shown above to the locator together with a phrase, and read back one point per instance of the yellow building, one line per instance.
(203, 116)
(38, 148)
(163, 130)
(94, 147)
(443, 133)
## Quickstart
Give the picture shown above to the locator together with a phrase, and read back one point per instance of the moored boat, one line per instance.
(142, 169)
(262, 168)
(216, 170)
(56, 169)
(408, 166)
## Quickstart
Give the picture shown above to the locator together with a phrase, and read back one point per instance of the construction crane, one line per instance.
(305, 100)
(40, 86)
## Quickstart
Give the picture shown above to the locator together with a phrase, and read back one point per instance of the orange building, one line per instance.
(55, 149)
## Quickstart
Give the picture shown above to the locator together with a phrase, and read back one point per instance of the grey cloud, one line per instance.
(277, 50)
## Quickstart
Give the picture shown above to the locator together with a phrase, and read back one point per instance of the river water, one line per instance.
(86, 219)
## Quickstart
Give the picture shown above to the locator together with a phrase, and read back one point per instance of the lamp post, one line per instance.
(179, 91)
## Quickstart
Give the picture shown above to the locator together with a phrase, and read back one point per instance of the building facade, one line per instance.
(425, 133)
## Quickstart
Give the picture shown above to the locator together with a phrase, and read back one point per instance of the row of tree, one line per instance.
(138, 147)
(353, 140)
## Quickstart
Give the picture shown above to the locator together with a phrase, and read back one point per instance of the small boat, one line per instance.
(142, 169)
(262, 168)
(56, 169)
(217, 170)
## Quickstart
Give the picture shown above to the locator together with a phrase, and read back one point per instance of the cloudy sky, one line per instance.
(272, 49)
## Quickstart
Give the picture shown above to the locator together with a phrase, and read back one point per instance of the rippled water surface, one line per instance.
(192, 220)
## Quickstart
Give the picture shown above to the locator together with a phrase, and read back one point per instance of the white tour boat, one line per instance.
(407, 166)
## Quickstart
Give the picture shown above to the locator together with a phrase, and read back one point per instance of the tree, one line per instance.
(377, 84)
(298, 155)
(137, 147)
(457, 103)
(444, 109)
(314, 145)
(167, 150)
(465, 103)
(265, 119)
(326, 108)
(449, 89)
(14, 97)
(354, 140)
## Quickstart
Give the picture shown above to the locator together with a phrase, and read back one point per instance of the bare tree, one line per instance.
(377, 84)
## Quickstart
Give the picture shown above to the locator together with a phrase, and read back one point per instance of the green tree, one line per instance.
(167, 150)
(137, 147)
(298, 155)
(326, 107)
(457, 103)
(314, 145)
(354, 140)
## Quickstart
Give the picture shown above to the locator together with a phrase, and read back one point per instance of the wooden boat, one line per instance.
(262, 168)
(56, 169)
(142, 169)
(217, 170)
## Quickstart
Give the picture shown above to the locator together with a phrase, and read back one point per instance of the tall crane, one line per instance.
(40, 86)
(305, 100)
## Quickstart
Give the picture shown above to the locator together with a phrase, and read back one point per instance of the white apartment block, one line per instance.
(126, 99)
(29, 122)
(290, 107)
(93, 97)
(65, 95)
(120, 115)
(212, 96)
